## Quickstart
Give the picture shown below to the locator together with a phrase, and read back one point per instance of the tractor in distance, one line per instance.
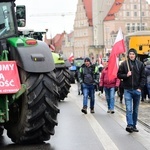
(62, 64)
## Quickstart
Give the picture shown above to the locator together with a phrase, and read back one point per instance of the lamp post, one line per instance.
(84, 51)
(140, 15)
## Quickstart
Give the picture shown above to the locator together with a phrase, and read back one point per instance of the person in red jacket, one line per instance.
(110, 87)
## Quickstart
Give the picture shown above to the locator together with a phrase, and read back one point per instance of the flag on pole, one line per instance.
(118, 48)
(71, 57)
(52, 47)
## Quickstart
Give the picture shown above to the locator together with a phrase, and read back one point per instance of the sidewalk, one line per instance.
(144, 111)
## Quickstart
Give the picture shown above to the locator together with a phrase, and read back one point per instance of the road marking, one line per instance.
(105, 140)
(142, 138)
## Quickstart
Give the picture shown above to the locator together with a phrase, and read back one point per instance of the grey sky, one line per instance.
(55, 23)
(53, 8)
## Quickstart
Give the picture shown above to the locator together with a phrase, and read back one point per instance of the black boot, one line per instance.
(92, 110)
(121, 99)
(84, 109)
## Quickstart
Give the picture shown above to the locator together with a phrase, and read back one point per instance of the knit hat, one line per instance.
(132, 50)
(87, 59)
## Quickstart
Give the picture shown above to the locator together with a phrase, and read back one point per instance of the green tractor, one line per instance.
(62, 74)
(28, 85)
(75, 65)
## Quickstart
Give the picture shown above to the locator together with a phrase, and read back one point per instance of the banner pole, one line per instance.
(127, 62)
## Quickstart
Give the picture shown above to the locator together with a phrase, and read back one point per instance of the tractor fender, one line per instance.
(60, 61)
(35, 58)
(67, 63)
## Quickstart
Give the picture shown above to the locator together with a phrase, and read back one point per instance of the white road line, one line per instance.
(105, 140)
(143, 137)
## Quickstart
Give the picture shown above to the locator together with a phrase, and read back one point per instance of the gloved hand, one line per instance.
(80, 81)
(116, 89)
(101, 89)
(96, 81)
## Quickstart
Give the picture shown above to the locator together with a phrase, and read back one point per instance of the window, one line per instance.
(138, 26)
(135, 6)
(143, 26)
(6, 20)
(128, 27)
(135, 14)
(133, 27)
(128, 14)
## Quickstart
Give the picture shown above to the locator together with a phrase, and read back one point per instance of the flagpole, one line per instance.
(127, 62)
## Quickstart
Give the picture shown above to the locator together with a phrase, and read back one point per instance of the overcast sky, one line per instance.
(55, 22)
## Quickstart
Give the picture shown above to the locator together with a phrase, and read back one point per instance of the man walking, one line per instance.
(132, 71)
(88, 78)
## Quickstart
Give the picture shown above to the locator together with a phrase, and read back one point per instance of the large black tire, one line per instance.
(1, 130)
(63, 82)
(34, 115)
(72, 77)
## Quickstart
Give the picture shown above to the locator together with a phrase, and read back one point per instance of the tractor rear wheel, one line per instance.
(1, 130)
(63, 82)
(34, 115)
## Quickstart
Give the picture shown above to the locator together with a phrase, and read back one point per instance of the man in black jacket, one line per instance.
(88, 78)
(132, 72)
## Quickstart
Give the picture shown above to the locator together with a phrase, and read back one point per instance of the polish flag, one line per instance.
(113, 62)
(71, 57)
(52, 47)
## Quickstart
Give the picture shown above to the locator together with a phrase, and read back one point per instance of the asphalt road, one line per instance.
(77, 131)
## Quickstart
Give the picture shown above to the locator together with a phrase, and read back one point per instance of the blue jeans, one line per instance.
(88, 90)
(110, 97)
(132, 101)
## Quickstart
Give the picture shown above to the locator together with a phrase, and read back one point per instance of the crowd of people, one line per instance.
(131, 83)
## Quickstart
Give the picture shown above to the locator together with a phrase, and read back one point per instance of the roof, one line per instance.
(70, 35)
(57, 40)
(114, 9)
(88, 9)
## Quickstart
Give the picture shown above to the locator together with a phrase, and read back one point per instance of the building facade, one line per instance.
(83, 28)
(129, 15)
(97, 23)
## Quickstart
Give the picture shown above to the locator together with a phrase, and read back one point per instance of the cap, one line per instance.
(87, 59)
(132, 50)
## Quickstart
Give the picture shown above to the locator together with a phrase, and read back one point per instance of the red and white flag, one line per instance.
(71, 57)
(52, 47)
(118, 48)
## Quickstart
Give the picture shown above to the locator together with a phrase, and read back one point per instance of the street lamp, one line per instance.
(140, 15)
